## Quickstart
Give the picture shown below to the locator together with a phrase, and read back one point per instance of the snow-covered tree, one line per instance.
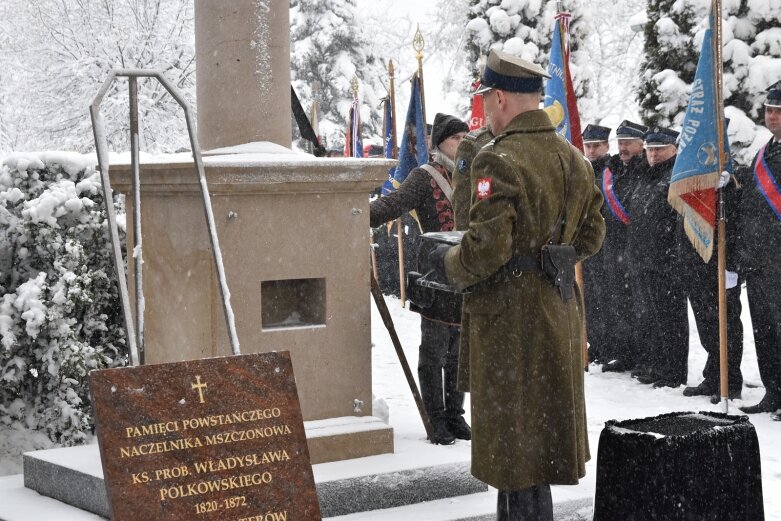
(510, 26)
(670, 59)
(327, 49)
(59, 312)
(613, 44)
(449, 37)
(524, 28)
(752, 61)
(57, 54)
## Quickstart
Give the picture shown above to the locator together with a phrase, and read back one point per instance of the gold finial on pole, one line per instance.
(354, 84)
(418, 44)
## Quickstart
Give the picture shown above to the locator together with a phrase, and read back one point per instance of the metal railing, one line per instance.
(135, 332)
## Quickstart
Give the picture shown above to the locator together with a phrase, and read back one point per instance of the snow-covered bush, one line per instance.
(59, 308)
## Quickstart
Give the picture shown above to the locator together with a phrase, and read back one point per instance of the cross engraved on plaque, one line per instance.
(200, 387)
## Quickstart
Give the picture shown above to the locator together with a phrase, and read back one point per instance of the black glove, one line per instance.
(436, 258)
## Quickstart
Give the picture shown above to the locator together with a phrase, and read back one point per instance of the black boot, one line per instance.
(454, 405)
(769, 403)
(530, 504)
(431, 391)
(704, 389)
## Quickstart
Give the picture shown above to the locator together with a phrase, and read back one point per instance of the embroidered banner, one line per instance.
(698, 165)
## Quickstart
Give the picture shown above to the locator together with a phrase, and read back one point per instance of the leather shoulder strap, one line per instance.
(440, 180)
(558, 228)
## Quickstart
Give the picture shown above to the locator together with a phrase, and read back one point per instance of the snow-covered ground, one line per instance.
(608, 395)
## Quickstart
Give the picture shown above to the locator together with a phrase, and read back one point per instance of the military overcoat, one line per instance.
(526, 368)
(462, 201)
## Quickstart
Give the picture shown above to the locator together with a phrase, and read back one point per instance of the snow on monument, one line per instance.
(293, 229)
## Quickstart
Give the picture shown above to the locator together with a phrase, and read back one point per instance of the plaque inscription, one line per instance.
(214, 439)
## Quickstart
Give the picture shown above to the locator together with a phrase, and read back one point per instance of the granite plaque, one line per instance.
(215, 439)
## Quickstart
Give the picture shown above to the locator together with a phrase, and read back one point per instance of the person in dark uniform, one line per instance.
(427, 191)
(630, 143)
(597, 270)
(759, 236)
(700, 281)
(525, 341)
(660, 301)
(596, 145)
(624, 169)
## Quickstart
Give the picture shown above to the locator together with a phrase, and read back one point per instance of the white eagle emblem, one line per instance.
(483, 187)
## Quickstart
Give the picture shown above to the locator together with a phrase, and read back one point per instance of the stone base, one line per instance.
(22, 504)
(349, 437)
(74, 475)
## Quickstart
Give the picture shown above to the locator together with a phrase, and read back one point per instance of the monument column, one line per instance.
(242, 49)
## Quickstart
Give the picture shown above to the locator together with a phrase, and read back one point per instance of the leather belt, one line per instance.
(522, 263)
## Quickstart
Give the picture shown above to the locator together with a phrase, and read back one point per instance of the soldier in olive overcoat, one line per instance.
(525, 338)
(462, 201)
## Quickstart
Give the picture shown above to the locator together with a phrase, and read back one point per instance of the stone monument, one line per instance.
(293, 229)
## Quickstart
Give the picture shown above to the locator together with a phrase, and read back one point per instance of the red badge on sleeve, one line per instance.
(484, 188)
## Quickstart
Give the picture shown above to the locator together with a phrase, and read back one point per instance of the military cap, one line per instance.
(773, 98)
(509, 73)
(660, 137)
(630, 130)
(595, 134)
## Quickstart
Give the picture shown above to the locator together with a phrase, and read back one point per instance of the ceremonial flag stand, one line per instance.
(702, 156)
(417, 44)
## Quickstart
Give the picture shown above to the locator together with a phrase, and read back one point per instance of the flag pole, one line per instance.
(722, 232)
(391, 73)
(391, 99)
(564, 31)
(355, 130)
(372, 254)
(418, 44)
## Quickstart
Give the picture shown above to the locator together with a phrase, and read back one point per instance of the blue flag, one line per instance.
(555, 91)
(697, 167)
(413, 151)
(560, 101)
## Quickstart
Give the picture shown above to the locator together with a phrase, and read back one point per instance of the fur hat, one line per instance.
(444, 127)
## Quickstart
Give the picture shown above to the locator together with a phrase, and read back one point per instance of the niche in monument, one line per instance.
(292, 303)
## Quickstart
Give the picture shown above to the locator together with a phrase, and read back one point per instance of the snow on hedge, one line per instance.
(59, 309)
